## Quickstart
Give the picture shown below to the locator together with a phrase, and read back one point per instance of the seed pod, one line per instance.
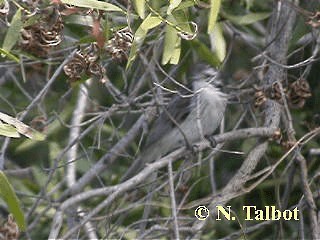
(44, 35)
(299, 91)
(118, 46)
(260, 98)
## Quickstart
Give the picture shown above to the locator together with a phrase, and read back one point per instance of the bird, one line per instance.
(186, 120)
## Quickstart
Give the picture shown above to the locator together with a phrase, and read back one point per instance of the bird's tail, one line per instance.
(133, 169)
(149, 155)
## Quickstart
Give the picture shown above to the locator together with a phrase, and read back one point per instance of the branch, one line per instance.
(282, 22)
(109, 158)
(115, 191)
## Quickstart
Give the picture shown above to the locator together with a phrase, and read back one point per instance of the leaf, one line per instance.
(248, 18)
(79, 20)
(22, 128)
(185, 4)
(173, 4)
(181, 18)
(94, 4)
(218, 42)
(9, 196)
(8, 131)
(205, 53)
(148, 23)
(172, 41)
(213, 14)
(31, 20)
(139, 5)
(172, 46)
(9, 55)
(13, 32)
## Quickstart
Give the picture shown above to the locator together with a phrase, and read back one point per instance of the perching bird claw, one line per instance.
(212, 141)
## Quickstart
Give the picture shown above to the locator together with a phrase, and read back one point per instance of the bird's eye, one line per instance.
(217, 83)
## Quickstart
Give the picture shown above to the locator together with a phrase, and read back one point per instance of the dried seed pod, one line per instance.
(119, 45)
(9, 230)
(260, 98)
(276, 92)
(277, 135)
(299, 91)
(302, 88)
(76, 66)
(42, 36)
(39, 123)
(4, 8)
(91, 53)
(296, 102)
(85, 62)
(96, 70)
(314, 20)
(288, 144)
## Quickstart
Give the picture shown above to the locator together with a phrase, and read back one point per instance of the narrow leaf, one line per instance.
(176, 52)
(148, 23)
(172, 44)
(218, 43)
(213, 14)
(22, 128)
(31, 20)
(8, 131)
(139, 5)
(185, 4)
(9, 196)
(79, 20)
(13, 32)
(205, 53)
(94, 4)
(9, 55)
(173, 4)
(248, 18)
(181, 19)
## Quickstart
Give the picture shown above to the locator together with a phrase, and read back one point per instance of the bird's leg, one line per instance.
(192, 148)
(212, 141)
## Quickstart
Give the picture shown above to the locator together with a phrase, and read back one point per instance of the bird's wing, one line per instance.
(178, 109)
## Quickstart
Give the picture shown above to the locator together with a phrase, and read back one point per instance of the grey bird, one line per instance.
(187, 119)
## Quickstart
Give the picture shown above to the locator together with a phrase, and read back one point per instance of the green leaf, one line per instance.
(181, 19)
(31, 20)
(248, 18)
(94, 4)
(8, 131)
(79, 20)
(148, 23)
(172, 44)
(218, 42)
(140, 7)
(22, 128)
(205, 53)
(13, 33)
(185, 4)
(213, 14)
(9, 55)
(9, 196)
(173, 4)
